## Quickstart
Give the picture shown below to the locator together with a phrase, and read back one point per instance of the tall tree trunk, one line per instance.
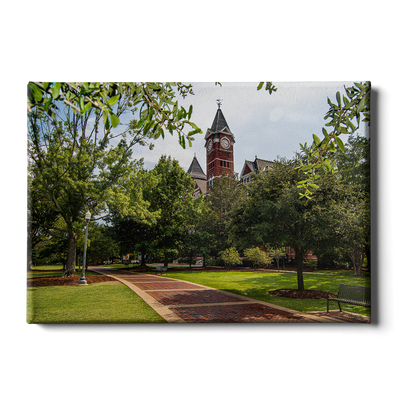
(143, 259)
(368, 255)
(29, 259)
(71, 257)
(165, 259)
(299, 267)
(357, 256)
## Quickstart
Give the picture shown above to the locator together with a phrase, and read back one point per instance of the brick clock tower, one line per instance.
(219, 148)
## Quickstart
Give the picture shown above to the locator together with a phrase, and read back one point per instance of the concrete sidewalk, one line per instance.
(179, 301)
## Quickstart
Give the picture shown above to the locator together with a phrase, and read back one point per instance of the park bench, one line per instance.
(351, 294)
(160, 269)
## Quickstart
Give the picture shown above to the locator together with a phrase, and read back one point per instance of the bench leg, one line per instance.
(340, 308)
(327, 301)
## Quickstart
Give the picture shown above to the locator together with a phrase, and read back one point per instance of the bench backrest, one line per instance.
(360, 294)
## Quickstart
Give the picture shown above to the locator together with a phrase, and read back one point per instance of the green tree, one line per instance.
(172, 198)
(221, 199)
(277, 254)
(204, 239)
(77, 169)
(354, 171)
(274, 215)
(102, 245)
(342, 223)
(348, 195)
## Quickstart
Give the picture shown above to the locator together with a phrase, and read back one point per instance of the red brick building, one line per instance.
(219, 155)
(219, 149)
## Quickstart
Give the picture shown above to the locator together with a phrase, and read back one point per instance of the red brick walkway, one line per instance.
(179, 301)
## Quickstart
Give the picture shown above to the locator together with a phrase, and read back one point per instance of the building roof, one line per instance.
(219, 122)
(262, 165)
(219, 125)
(256, 166)
(195, 170)
(202, 185)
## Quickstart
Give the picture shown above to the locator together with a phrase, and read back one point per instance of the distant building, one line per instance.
(254, 167)
(196, 172)
(220, 157)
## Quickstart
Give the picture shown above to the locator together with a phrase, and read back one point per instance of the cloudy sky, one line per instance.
(264, 125)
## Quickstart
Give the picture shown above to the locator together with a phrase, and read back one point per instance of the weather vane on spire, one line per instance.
(219, 102)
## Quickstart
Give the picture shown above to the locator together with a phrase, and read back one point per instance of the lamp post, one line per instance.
(82, 281)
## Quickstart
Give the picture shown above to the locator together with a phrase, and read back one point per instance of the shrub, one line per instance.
(313, 264)
(257, 256)
(230, 257)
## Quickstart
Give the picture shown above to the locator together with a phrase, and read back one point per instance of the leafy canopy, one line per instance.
(156, 103)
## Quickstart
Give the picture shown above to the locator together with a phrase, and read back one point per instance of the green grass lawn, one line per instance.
(257, 286)
(112, 302)
(107, 302)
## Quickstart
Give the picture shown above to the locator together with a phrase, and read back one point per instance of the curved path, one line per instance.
(179, 301)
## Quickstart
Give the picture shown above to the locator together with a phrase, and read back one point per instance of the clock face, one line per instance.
(209, 145)
(225, 143)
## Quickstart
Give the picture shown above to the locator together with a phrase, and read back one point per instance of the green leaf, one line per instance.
(349, 123)
(190, 111)
(47, 103)
(191, 133)
(46, 85)
(317, 140)
(181, 114)
(338, 98)
(147, 127)
(87, 107)
(339, 143)
(260, 85)
(56, 90)
(360, 86)
(332, 147)
(153, 86)
(306, 167)
(114, 120)
(81, 104)
(328, 164)
(113, 100)
(107, 123)
(313, 185)
(363, 102)
(150, 114)
(36, 92)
